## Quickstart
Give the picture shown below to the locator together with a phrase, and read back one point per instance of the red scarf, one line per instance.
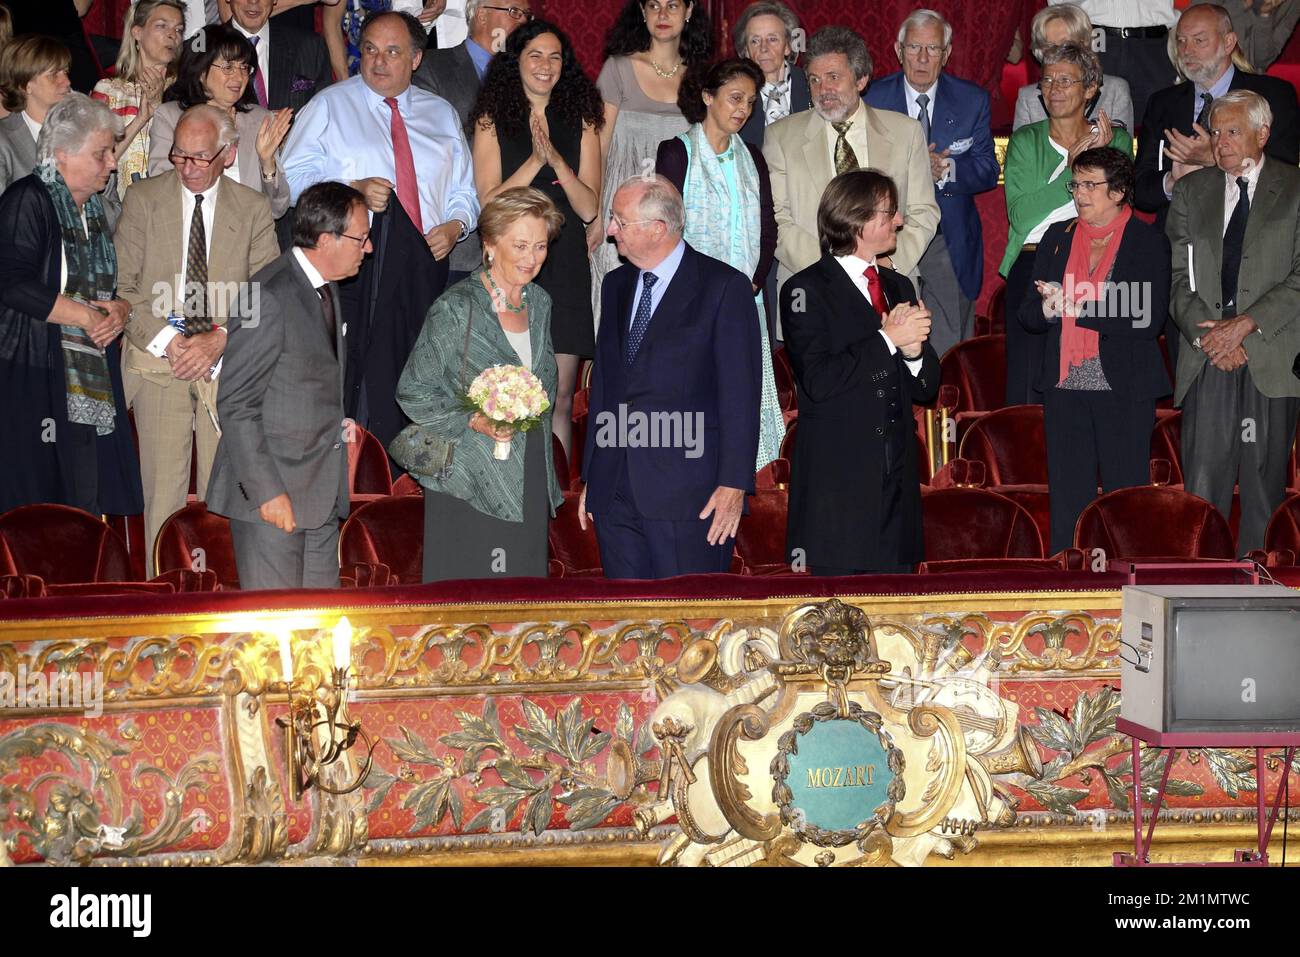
(1078, 345)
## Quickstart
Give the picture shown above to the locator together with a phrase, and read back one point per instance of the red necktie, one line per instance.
(259, 84)
(407, 191)
(875, 291)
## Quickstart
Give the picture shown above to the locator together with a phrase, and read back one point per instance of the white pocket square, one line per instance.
(960, 146)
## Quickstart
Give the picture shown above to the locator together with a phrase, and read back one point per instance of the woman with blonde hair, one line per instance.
(487, 517)
(152, 32)
(1068, 23)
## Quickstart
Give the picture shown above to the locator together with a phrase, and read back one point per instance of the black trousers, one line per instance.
(1089, 433)
(1143, 61)
(1024, 349)
(1234, 434)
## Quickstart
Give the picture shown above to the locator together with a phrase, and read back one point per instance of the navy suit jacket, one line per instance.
(961, 111)
(699, 358)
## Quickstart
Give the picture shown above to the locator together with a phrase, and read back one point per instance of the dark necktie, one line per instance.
(923, 101)
(1233, 237)
(331, 324)
(1203, 117)
(259, 81)
(641, 322)
(196, 274)
(845, 158)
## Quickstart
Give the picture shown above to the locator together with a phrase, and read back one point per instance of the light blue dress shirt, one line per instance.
(1216, 91)
(665, 271)
(482, 58)
(345, 134)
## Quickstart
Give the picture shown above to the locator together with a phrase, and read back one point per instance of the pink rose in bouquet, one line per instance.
(508, 395)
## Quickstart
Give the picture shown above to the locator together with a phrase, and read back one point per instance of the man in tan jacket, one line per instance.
(187, 244)
(805, 151)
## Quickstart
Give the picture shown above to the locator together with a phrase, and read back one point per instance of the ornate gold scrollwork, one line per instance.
(925, 722)
(750, 723)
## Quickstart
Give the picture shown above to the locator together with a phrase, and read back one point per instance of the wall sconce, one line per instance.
(317, 729)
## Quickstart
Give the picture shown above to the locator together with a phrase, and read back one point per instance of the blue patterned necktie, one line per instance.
(641, 322)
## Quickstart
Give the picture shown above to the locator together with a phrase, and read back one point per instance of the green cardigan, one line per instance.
(431, 394)
(1031, 158)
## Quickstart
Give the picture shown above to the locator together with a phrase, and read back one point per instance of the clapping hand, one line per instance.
(543, 152)
(1054, 301)
(938, 163)
(152, 81)
(271, 134)
(1194, 150)
(433, 9)
(908, 326)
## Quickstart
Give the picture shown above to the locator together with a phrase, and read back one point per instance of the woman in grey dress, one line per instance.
(650, 49)
(488, 517)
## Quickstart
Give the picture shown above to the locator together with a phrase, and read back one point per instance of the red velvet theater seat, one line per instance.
(406, 485)
(575, 550)
(368, 469)
(1166, 443)
(1284, 527)
(1154, 523)
(1010, 443)
(974, 523)
(388, 531)
(194, 539)
(978, 368)
(61, 545)
(783, 373)
(760, 540)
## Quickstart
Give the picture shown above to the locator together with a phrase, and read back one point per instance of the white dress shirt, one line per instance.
(1127, 13)
(856, 268)
(345, 134)
(857, 136)
(1232, 192)
(263, 48)
(158, 345)
(198, 14)
(32, 125)
(665, 272)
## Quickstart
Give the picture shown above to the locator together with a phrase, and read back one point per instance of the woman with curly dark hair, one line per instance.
(536, 123)
(651, 48)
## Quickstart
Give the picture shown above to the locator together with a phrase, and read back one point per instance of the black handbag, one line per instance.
(422, 453)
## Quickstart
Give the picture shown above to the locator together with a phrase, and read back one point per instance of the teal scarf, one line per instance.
(92, 277)
(721, 197)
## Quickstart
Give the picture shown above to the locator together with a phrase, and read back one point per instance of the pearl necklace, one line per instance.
(670, 74)
(499, 296)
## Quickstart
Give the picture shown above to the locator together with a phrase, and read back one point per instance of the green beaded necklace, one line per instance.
(499, 295)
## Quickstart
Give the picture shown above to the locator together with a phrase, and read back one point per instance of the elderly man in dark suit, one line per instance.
(858, 345)
(673, 416)
(456, 74)
(1235, 233)
(281, 469)
(292, 64)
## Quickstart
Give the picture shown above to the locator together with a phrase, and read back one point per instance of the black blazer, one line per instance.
(800, 100)
(1171, 108)
(1130, 354)
(300, 65)
(670, 161)
(841, 363)
(450, 74)
(700, 358)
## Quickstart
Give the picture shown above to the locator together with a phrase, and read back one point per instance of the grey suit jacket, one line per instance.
(17, 150)
(450, 74)
(162, 133)
(281, 405)
(1268, 285)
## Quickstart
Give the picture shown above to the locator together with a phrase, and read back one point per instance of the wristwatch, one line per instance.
(464, 229)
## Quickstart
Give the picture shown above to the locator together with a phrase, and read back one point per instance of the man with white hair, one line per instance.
(672, 418)
(954, 118)
(1235, 297)
(1175, 139)
(805, 151)
(186, 244)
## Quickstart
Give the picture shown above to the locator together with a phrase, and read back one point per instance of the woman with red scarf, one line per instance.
(1103, 285)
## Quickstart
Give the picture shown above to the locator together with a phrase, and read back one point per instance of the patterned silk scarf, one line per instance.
(92, 277)
(1078, 344)
(725, 226)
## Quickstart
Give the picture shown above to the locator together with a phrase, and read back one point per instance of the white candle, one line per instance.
(286, 657)
(343, 643)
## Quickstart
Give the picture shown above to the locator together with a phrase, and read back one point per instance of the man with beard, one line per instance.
(805, 151)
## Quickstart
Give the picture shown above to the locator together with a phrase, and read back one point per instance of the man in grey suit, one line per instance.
(1235, 234)
(456, 74)
(281, 469)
